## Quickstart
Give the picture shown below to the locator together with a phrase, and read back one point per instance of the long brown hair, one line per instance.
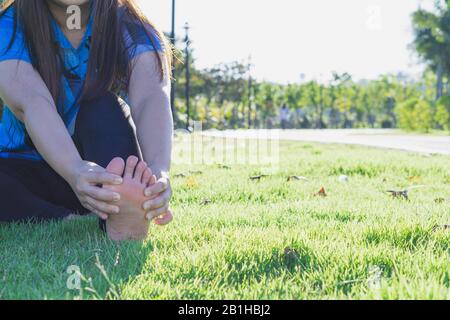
(109, 67)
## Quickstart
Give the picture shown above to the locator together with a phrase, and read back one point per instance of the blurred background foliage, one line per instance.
(225, 96)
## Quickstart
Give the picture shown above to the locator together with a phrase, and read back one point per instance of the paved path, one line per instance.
(390, 139)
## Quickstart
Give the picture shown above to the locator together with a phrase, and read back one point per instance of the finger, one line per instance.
(101, 215)
(139, 172)
(157, 202)
(103, 207)
(165, 219)
(131, 165)
(158, 212)
(157, 188)
(100, 178)
(151, 182)
(102, 194)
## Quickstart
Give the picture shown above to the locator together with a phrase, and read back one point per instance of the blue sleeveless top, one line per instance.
(14, 141)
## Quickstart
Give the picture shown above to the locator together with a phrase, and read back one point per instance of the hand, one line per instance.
(86, 181)
(157, 207)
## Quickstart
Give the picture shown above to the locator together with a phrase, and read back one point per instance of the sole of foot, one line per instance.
(130, 223)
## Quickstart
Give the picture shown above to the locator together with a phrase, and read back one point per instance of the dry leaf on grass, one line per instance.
(258, 178)
(414, 179)
(191, 183)
(399, 194)
(442, 227)
(206, 202)
(439, 200)
(297, 178)
(321, 193)
(403, 194)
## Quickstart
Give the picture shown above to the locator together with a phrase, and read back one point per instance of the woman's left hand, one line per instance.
(158, 207)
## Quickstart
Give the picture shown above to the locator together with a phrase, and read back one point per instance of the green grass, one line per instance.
(432, 132)
(270, 239)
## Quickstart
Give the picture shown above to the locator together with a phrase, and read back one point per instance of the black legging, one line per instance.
(33, 190)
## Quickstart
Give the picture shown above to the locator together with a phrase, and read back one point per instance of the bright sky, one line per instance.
(288, 38)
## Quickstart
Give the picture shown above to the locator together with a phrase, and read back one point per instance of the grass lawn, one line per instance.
(236, 238)
(438, 133)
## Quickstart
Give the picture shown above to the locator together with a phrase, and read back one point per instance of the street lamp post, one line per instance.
(250, 101)
(188, 76)
(172, 39)
(250, 93)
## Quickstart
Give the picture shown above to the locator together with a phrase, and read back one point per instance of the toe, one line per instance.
(139, 173)
(116, 166)
(131, 166)
(147, 176)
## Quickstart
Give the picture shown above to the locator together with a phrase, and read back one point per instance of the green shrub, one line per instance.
(415, 115)
(405, 114)
(443, 113)
(423, 113)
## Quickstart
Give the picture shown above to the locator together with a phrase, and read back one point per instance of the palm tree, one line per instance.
(432, 40)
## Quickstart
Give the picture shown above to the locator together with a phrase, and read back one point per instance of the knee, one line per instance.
(102, 113)
(7, 186)
(3, 185)
(100, 106)
(106, 99)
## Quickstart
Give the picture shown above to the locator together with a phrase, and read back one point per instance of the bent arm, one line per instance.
(27, 96)
(151, 112)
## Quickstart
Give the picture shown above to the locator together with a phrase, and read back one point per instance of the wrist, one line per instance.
(72, 171)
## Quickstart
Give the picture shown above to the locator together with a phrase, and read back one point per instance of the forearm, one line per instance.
(155, 135)
(151, 112)
(27, 96)
(51, 138)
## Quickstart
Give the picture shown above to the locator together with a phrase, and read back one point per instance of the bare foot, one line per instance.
(130, 223)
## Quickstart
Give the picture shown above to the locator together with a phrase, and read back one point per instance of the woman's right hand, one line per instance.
(86, 181)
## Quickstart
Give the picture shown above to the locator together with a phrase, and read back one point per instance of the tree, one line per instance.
(340, 96)
(432, 41)
(443, 113)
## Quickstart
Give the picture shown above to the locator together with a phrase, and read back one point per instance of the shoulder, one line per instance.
(7, 18)
(12, 44)
(139, 36)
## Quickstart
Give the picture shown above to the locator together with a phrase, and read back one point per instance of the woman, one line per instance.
(86, 109)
